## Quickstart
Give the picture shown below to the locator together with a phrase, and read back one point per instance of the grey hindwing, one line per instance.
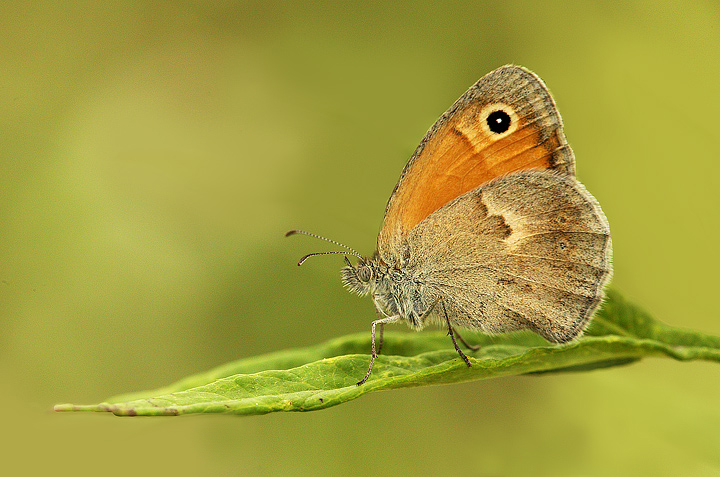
(531, 250)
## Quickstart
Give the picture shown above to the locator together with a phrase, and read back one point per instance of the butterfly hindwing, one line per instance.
(529, 250)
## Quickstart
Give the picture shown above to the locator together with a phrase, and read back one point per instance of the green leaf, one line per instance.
(325, 375)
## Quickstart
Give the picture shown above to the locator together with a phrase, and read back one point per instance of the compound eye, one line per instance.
(364, 273)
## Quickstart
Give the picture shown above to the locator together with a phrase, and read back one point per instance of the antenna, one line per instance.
(352, 251)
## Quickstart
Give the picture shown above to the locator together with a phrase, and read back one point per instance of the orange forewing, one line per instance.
(453, 163)
(459, 155)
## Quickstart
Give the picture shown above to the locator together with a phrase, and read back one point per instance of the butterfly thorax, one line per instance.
(396, 289)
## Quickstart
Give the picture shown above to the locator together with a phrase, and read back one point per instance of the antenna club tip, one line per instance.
(291, 232)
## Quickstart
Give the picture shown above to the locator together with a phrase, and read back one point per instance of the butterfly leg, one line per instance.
(382, 332)
(381, 322)
(452, 332)
(462, 340)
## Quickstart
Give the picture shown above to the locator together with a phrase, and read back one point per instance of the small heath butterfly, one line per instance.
(487, 228)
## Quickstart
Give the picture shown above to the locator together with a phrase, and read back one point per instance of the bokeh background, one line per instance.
(152, 154)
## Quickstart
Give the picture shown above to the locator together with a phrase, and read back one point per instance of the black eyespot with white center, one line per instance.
(498, 121)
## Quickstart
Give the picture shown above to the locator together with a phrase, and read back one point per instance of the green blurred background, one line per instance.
(154, 153)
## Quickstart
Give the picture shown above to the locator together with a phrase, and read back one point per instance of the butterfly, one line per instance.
(488, 229)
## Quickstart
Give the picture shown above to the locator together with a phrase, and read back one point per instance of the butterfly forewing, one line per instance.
(507, 122)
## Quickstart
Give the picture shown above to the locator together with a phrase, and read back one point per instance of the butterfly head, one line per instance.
(362, 278)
